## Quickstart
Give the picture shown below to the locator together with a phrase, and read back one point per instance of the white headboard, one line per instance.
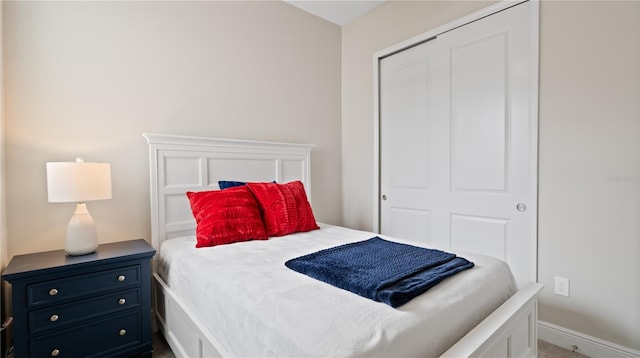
(179, 164)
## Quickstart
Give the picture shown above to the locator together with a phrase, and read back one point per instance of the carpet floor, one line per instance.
(548, 350)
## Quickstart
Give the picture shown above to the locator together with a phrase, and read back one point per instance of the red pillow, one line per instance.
(284, 207)
(226, 216)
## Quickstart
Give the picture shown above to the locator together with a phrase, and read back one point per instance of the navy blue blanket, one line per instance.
(381, 270)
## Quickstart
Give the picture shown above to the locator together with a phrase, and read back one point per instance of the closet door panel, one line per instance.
(479, 76)
(408, 91)
(409, 223)
(491, 172)
(408, 79)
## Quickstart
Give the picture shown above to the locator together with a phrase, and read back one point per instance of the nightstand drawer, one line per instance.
(82, 285)
(98, 339)
(72, 313)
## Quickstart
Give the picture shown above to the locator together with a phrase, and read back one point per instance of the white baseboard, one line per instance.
(587, 345)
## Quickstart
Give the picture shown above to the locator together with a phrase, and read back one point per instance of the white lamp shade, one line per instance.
(78, 181)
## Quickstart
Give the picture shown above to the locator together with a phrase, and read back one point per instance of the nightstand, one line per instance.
(95, 305)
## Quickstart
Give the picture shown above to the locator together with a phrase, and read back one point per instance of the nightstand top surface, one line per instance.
(24, 265)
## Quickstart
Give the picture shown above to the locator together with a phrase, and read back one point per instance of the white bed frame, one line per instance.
(179, 164)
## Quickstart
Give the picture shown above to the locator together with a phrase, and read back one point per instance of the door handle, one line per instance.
(521, 207)
(384, 197)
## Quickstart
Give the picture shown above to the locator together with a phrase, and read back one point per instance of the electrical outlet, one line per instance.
(561, 286)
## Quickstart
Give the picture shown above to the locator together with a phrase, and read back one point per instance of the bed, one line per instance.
(240, 300)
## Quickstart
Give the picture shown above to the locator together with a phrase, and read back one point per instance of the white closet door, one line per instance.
(409, 86)
(456, 141)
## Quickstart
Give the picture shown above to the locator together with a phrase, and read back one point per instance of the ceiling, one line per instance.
(340, 12)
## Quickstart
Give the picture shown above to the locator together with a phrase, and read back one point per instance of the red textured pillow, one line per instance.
(284, 207)
(226, 216)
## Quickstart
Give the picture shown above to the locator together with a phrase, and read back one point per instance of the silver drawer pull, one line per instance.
(122, 301)
(121, 278)
(122, 332)
(53, 318)
(53, 292)
(55, 352)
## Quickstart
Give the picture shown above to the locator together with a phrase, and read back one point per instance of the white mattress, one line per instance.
(257, 307)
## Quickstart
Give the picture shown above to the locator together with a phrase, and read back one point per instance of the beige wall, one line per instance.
(589, 134)
(3, 227)
(588, 188)
(3, 240)
(4, 252)
(88, 78)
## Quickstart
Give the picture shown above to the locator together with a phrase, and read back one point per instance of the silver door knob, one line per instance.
(55, 352)
(53, 318)
(384, 197)
(522, 207)
(121, 278)
(122, 332)
(53, 292)
(122, 301)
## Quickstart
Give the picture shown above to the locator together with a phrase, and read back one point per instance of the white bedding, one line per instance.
(257, 307)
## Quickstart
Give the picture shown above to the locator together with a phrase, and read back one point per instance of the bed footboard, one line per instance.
(186, 336)
(510, 331)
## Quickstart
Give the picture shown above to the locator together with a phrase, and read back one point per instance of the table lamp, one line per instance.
(79, 182)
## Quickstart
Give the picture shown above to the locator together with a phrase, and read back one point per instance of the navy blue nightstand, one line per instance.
(95, 305)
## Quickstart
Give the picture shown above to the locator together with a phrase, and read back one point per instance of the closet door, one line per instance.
(411, 88)
(456, 142)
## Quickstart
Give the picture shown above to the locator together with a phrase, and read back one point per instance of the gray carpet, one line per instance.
(161, 347)
(548, 350)
(545, 350)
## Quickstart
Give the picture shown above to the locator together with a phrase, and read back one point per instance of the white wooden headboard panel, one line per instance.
(179, 164)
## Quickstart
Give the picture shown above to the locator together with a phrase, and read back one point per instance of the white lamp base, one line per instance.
(82, 236)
